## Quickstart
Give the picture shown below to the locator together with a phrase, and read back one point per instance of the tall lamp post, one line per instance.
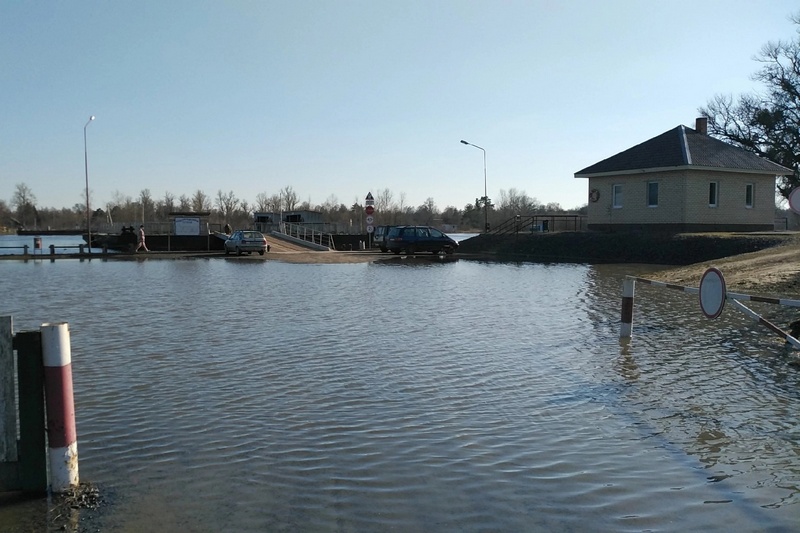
(86, 168)
(485, 193)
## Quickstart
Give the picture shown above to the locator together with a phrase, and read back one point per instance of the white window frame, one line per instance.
(749, 195)
(713, 186)
(650, 202)
(616, 196)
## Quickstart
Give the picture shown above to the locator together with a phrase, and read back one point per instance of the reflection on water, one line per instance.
(414, 395)
(62, 244)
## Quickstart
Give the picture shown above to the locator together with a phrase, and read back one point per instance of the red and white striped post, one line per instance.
(61, 434)
(628, 288)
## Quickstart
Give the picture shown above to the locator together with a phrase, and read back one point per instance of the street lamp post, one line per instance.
(86, 168)
(485, 193)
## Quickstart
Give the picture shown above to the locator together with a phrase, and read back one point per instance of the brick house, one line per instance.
(682, 181)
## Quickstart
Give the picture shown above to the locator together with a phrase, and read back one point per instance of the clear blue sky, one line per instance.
(339, 98)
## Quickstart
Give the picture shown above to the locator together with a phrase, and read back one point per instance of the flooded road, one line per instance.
(412, 394)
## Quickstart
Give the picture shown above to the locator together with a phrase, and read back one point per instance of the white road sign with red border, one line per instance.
(713, 293)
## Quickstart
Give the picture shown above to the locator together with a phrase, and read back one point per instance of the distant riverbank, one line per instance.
(760, 263)
(590, 247)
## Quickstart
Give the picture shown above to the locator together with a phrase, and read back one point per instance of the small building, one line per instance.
(682, 181)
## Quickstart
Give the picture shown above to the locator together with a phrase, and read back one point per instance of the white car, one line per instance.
(246, 241)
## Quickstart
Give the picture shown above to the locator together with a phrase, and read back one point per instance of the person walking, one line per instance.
(141, 240)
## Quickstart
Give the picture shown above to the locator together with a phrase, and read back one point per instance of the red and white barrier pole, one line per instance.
(628, 288)
(61, 434)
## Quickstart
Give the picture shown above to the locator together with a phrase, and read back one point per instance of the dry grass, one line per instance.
(773, 271)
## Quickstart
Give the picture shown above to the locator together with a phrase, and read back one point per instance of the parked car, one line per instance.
(379, 237)
(246, 241)
(413, 239)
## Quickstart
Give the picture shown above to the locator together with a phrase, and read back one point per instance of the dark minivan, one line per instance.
(413, 239)
(379, 237)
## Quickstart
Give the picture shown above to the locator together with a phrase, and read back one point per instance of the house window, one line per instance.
(713, 194)
(652, 194)
(748, 195)
(616, 195)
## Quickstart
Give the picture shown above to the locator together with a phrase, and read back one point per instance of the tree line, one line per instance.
(227, 208)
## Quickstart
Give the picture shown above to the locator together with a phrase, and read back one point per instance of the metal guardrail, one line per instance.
(538, 223)
(307, 234)
(154, 228)
(27, 250)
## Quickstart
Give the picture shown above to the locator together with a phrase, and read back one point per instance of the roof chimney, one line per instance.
(701, 125)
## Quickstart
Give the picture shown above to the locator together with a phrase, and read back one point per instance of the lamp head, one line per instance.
(464, 142)
(91, 118)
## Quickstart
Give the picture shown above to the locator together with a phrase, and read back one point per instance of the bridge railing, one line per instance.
(539, 223)
(307, 234)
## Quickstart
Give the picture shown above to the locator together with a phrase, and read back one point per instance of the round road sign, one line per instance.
(370, 220)
(794, 200)
(369, 210)
(370, 229)
(712, 293)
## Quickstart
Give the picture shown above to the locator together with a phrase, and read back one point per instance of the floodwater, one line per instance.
(412, 395)
(62, 244)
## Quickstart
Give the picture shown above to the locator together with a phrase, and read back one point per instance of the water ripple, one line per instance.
(415, 395)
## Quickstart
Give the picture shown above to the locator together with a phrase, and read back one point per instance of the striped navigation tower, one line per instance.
(369, 209)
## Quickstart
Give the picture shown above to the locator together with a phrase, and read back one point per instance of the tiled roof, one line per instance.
(683, 147)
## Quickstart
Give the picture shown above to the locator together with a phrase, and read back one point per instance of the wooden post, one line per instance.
(61, 433)
(33, 459)
(9, 467)
(8, 407)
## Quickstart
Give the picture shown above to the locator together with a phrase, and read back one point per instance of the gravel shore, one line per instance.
(771, 272)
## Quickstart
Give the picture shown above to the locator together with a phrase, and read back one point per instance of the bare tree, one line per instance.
(200, 202)
(122, 208)
(24, 202)
(514, 202)
(184, 203)
(766, 123)
(427, 211)
(22, 197)
(169, 202)
(227, 204)
(165, 206)
(401, 207)
(357, 214)
(118, 198)
(451, 215)
(5, 213)
(262, 202)
(289, 198)
(275, 203)
(383, 201)
(146, 202)
(331, 203)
